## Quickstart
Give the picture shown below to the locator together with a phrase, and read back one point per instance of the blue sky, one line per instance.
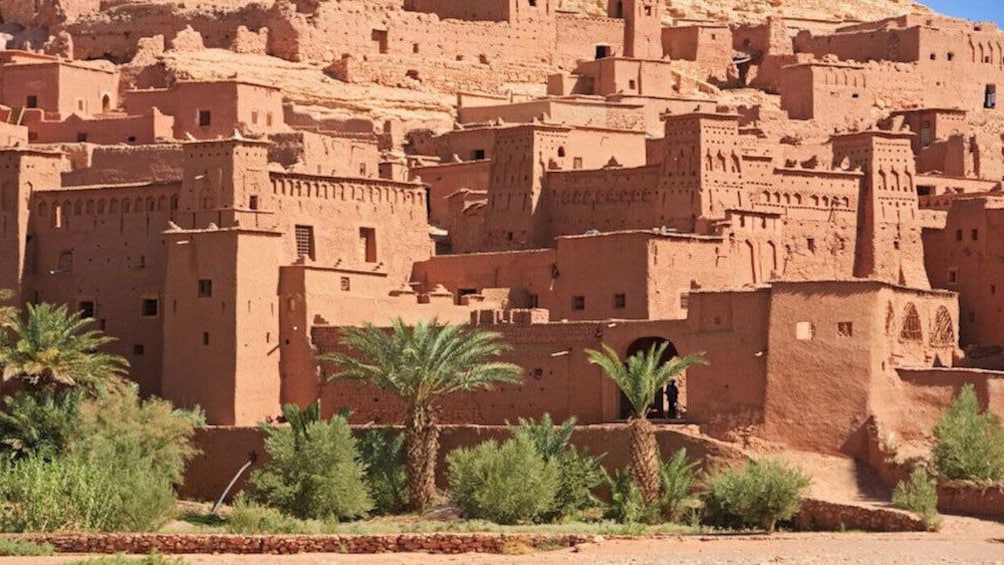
(979, 10)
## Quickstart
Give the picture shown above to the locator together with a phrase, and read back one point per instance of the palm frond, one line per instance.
(642, 374)
(423, 362)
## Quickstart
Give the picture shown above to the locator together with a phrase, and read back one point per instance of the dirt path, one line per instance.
(962, 540)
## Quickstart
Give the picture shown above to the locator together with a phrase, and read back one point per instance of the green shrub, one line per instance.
(248, 517)
(24, 548)
(150, 429)
(114, 473)
(506, 484)
(627, 504)
(382, 452)
(919, 494)
(315, 472)
(677, 477)
(758, 495)
(104, 488)
(969, 444)
(549, 440)
(579, 474)
(34, 423)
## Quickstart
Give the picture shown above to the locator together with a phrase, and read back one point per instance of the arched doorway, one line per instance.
(106, 104)
(659, 406)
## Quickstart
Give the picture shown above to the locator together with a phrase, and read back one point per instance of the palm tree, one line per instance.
(420, 365)
(639, 378)
(49, 348)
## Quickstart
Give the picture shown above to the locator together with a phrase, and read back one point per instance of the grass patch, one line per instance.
(23, 548)
(120, 559)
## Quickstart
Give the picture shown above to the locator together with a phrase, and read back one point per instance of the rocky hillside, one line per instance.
(755, 10)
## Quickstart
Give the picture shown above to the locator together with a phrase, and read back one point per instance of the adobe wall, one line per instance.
(117, 164)
(231, 106)
(314, 296)
(445, 180)
(559, 380)
(925, 393)
(832, 340)
(84, 90)
(958, 259)
(104, 246)
(708, 46)
(106, 130)
(308, 152)
(12, 135)
(339, 207)
(580, 113)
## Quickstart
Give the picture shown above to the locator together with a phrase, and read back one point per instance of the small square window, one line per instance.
(81, 137)
(804, 331)
(80, 105)
(253, 202)
(86, 308)
(953, 276)
(958, 235)
(632, 84)
(31, 101)
(620, 301)
(578, 303)
(205, 118)
(576, 162)
(479, 154)
(976, 235)
(205, 288)
(151, 307)
(131, 139)
(254, 118)
(684, 300)
(205, 338)
(346, 284)
(533, 301)
(138, 349)
(845, 329)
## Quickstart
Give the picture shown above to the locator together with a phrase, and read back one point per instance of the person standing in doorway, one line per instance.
(672, 400)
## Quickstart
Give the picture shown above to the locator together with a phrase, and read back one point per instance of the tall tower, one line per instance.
(22, 171)
(642, 28)
(520, 160)
(889, 242)
(221, 331)
(220, 178)
(701, 168)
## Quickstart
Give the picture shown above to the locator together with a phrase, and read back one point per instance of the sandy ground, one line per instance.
(962, 540)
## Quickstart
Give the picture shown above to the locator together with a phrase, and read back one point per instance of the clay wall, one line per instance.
(420, 72)
(59, 88)
(110, 164)
(104, 245)
(958, 258)
(106, 130)
(925, 393)
(445, 180)
(577, 38)
(308, 152)
(841, 340)
(559, 380)
(708, 46)
(314, 296)
(578, 113)
(487, 10)
(12, 135)
(338, 209)
(210, 110)
(526, 274)
(25, 172)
